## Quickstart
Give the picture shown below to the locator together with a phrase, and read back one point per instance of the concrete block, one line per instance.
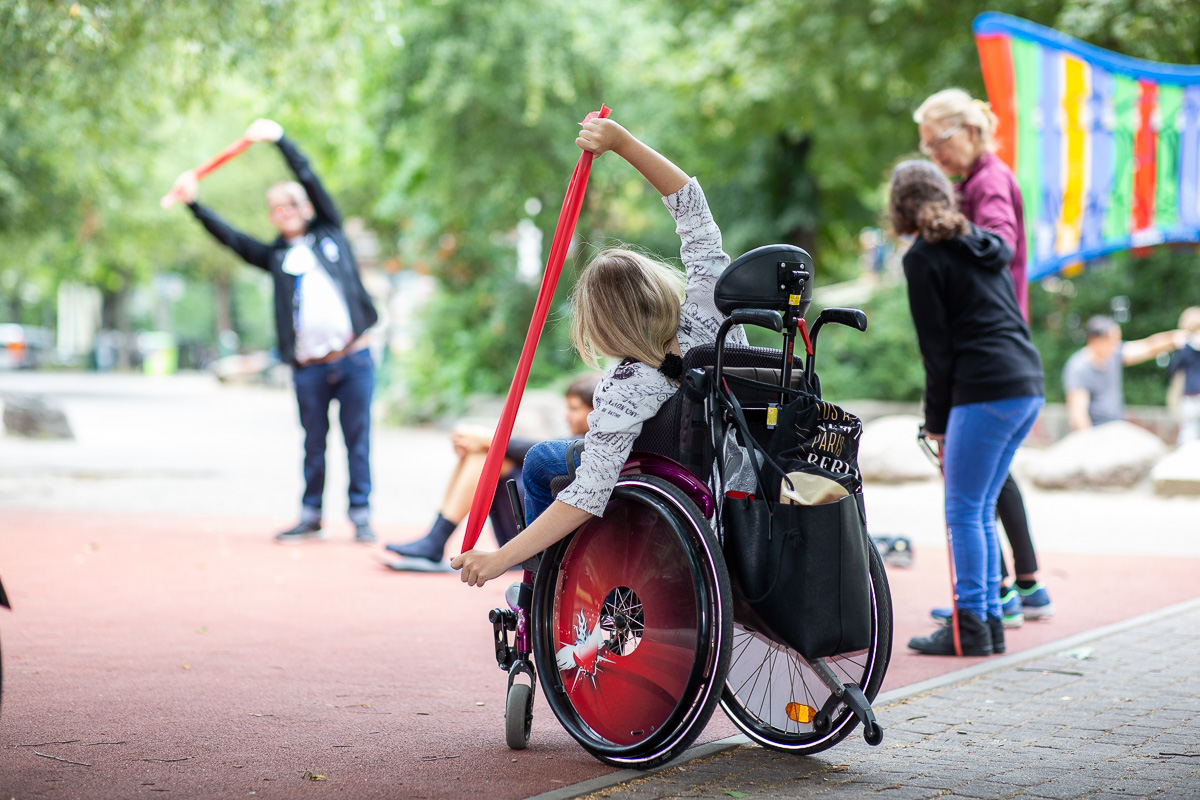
(1178, 473)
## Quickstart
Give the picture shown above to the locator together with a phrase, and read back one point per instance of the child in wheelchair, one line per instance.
(641, 312)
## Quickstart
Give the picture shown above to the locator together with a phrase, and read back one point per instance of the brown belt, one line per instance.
(358, 344)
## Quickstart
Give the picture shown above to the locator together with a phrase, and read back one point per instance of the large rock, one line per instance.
(1114, 455)
(35, 417)
(1178, 473)
(890, 453)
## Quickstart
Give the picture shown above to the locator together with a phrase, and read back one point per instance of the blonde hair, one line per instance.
(954, 106)
(921, 200)
(1189, 320)
(626, 306)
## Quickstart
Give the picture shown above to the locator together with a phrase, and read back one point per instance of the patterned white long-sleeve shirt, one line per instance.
(629, 394)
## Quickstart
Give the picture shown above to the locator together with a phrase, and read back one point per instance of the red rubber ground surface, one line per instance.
(194, 656)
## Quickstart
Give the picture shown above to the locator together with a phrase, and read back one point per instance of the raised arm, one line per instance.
(250, 249)
(265, 130)
(1140, 350)
(598, 136)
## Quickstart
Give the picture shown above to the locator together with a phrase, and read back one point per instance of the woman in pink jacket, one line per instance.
(957, 134)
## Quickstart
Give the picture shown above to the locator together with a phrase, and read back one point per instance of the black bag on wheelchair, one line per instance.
(797, 547)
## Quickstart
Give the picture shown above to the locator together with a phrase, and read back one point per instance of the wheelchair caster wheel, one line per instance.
(518, 716)
(873, 733)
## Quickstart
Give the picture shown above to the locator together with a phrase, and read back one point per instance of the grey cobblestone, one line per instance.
(1122, 723)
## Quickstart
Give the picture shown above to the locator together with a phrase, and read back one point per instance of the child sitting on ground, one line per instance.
(645, 315)
(471, 445)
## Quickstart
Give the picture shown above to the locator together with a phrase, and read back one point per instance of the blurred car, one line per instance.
(25, 346)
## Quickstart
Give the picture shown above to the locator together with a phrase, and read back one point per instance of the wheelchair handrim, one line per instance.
(706, 675)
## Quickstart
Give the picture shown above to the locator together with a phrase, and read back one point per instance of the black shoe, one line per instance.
(974, 635)
(996, 624)
(363, 534)
(304, 532)
(430, 547)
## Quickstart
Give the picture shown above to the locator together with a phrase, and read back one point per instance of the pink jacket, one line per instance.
(989, 197)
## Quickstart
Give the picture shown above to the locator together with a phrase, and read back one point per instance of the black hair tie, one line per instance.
(672, 367)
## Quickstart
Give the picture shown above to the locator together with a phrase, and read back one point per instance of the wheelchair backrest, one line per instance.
(681, 430)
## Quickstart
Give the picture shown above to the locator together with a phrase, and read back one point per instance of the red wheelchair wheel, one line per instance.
(632, 628)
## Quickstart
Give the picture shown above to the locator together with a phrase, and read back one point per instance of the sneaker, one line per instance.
(1011, 615)
(430, 548)
(974, 635)
(363, 534)
(413, 564)
(1035, 602)
(303, 532)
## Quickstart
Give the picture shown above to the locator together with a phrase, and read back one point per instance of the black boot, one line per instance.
(996, 624)
(974, 635)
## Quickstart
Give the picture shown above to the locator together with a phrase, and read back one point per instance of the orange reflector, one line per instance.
(800, 713)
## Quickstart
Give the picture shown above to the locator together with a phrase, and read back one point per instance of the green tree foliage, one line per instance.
(440, 120)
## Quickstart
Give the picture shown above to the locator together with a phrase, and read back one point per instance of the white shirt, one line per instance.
(320, 314)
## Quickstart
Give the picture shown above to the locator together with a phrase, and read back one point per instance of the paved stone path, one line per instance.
(1116, 717)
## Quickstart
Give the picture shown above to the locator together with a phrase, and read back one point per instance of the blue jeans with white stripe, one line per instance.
(981, 440)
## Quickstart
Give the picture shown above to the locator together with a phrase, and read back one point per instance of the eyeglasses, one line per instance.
(281, 206)
(937, 142)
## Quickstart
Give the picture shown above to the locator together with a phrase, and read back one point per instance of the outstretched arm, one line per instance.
(598, 136)
(1140, 350)
(250, 249)
(265, 130)
(477, 567)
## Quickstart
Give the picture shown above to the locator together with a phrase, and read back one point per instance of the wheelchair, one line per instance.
(631, 622)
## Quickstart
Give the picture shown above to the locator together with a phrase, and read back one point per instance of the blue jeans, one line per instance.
(350, 381)
(981, 440)
(543, 463)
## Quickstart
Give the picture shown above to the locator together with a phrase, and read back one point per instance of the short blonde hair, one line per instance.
(1189, 320)
(626, 306)
(954, 106)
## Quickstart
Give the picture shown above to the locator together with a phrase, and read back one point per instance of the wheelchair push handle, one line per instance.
(850, 317)
(762, 317)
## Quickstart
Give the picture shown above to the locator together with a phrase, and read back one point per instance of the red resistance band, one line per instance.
(567, 218)
(217, 161)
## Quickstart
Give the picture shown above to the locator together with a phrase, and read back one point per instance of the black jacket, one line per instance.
(974, 342)
(328, 243)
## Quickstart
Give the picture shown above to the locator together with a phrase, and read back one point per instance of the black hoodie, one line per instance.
(974, 342)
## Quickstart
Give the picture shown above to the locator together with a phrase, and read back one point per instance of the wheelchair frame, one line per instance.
(648, 714)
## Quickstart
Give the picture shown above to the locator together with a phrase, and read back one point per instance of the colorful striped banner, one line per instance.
(1105, 148)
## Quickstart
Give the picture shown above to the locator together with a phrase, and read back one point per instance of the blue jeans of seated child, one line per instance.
(543, 463)
(350, 381)
(981, 440)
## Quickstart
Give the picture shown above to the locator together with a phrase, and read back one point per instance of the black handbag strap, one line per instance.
(730, 401)
(739, 419)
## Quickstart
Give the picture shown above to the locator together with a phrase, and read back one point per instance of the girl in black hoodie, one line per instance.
(983, 385)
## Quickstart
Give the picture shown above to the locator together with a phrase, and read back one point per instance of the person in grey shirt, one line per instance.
(1092, 377)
